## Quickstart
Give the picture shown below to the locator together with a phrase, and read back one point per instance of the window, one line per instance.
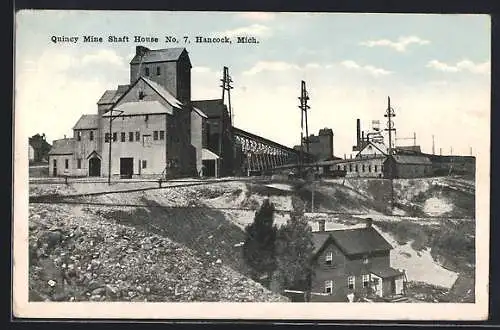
(329, 258)
(345, 167)
(350, 167)
(366, 260)
(155, 135)
(366, 280)
(350, 282)
(144, 164)
(338, 167)
(146, 71)
(130, 136)
(106, 137)
(122, 136)
(66, 163)
(158, 70)
(141, 95)
(381, 168)
(114, 137)
(79, 163)
(369, 168)
(375, 168)
(356, 166)
(363, 168)
(328, 286)
(137, 136)
(162, 135)
(78, 135)
(91, 135)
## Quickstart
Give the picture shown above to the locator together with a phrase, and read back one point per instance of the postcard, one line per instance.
(251, 165)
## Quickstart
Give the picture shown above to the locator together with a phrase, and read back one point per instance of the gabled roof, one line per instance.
(62, 147)
(163, 93)
(385, 272)
(377, 145)
(158, 55)
(111, 96)
(211, 108)
(87, 122)
(141, 108)
(352, 241)
(199, 112)
(208, 155)
(413, 160)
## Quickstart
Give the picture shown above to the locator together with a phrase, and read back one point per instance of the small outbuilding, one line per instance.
(407, 166)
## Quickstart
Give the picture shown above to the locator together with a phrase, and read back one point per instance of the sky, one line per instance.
(435, 68)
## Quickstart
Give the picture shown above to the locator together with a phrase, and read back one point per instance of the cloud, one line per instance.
(200, 69)
(103, 56)
(270, 66)
(258, 16)
(279, 66)
(399, 45)
(254, 30)
(366, 68)
(464, 65)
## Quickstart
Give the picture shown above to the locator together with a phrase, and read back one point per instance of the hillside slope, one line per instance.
(78, 255)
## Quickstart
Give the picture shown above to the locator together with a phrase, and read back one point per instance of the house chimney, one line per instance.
(358, 133)
(141, 50)
(321, 225)
(369, 222)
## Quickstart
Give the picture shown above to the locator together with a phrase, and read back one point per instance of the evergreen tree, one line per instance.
(259, 248)
(294, 250)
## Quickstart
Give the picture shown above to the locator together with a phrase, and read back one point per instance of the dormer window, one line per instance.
(329, 258)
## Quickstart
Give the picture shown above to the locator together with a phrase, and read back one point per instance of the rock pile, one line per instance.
(79, 256)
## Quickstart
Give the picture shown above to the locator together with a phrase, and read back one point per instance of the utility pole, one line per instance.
(433, 145)
(471, 151)
(312, 197)
(111, 140)
(304, 97)
(390, 128)
(451, 151)
(440, 151)
(226, 86)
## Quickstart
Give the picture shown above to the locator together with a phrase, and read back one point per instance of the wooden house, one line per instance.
(353, 263)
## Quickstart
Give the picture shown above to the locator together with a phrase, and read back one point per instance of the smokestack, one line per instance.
(362, 138)
(369, 222)
(321, 225)
(358, 133)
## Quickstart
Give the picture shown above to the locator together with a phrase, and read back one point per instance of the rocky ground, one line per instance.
(76, 255)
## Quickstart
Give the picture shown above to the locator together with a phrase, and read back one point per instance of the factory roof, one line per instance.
(410, 159)
(87, 122)
(163, 93)
(211, 108)
(142, 108)
(158, 55)
(199, 112)
(62, 147)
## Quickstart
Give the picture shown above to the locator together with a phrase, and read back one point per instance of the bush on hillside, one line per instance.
(294, 250)
(260, 238)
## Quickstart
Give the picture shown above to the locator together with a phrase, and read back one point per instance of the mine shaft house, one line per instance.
(151, 125)
(353, 263)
